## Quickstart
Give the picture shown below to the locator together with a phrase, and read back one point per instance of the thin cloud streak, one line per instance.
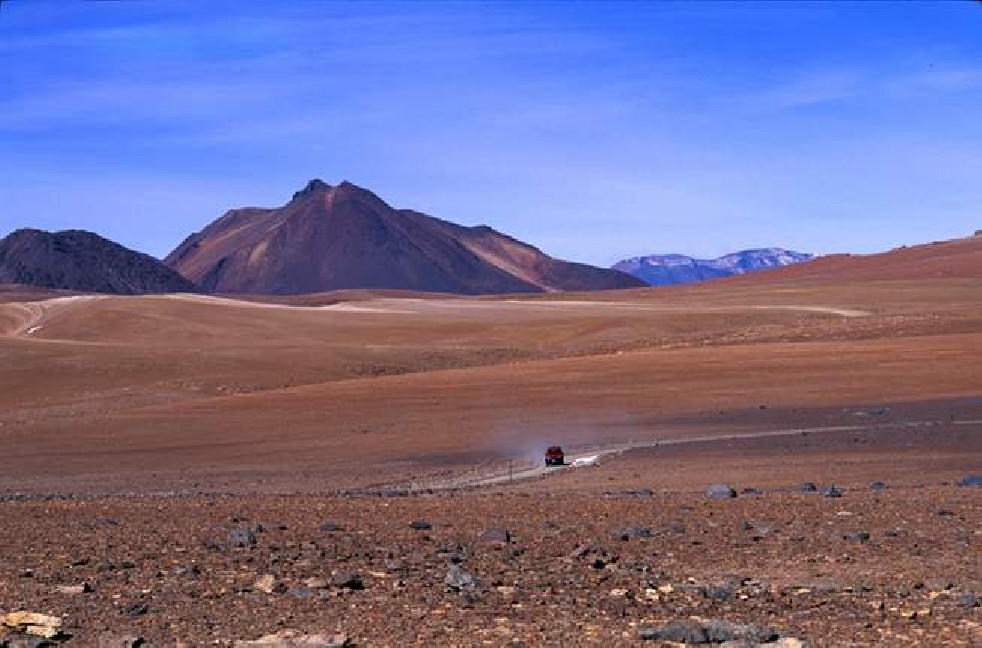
(662, 127)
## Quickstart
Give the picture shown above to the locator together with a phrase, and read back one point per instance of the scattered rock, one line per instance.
(420, 525)
(750, 490)
(806, 487)
(709, 631)
(291, 638)
(497, 535)
(317, 583)
(628, 533)
(858, 536)
(878, 486)
(301, 592)
(972, 480)
(74, 590)
(268, 584)
(718, 593)
(137, 609)
(330, 527)
(242, 538)
(720, 491)
(17, 640)
(347, 580)
(189, 570)
(32, 623)
(787, 642)
(720, 631)
(832, 492)
(969, 600)
(685, 632)
(457, 579)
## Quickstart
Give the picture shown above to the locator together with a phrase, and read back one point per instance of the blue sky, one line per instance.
(596, 131)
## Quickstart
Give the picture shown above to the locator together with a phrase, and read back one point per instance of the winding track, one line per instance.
(36, 313)
(528, 470)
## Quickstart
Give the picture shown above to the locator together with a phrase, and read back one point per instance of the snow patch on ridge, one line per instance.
(664, 269)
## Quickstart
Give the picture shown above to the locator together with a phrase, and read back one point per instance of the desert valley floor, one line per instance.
(199, 470)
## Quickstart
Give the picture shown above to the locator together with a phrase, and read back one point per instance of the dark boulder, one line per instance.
(347, 580)
(242, 538)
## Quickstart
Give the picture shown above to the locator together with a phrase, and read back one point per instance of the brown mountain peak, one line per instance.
(345, 236)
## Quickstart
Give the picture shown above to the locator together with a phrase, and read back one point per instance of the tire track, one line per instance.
(37, 313)
(529, 471)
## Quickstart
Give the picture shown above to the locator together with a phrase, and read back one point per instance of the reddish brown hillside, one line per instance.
(957, 259)
(331, 238)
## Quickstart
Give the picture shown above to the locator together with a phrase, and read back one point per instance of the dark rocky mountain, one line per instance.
(79, 260)
(665, 269)
(337, 237)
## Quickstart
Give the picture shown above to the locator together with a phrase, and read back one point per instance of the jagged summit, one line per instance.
(313, 186)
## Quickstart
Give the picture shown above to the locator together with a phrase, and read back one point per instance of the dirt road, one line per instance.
(33, 315)
(524, 469)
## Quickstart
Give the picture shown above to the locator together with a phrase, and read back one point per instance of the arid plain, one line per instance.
(139, 432)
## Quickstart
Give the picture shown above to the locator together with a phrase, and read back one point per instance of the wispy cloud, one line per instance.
(587, 128)
(807, 90)
(838, 85)
(943, 78)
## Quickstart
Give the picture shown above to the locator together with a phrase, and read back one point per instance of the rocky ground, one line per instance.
(884, 566)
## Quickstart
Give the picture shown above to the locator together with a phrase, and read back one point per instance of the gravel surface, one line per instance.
(871, 568)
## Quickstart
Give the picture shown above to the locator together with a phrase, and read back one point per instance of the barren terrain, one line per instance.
(141, 433)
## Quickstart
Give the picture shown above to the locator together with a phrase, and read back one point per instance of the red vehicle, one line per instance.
(555, 456)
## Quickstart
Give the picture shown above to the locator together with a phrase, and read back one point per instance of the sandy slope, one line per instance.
(228, 389)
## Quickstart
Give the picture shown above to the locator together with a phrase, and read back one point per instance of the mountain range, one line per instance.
(325, 238)
(667, 269)
(345, 237)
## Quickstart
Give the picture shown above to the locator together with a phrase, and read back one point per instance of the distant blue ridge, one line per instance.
(668, 269)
